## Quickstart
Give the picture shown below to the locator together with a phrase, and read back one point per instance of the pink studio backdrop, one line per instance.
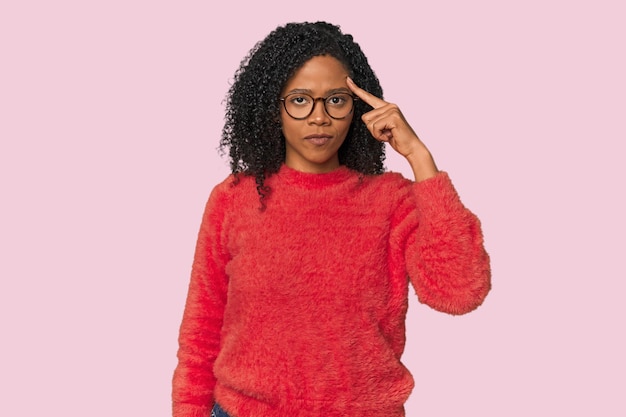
(110, 114)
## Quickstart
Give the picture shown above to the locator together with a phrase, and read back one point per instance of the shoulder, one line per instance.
(234, 184)
(389, 182)
(386, 191)
(395, 178)
(230, 190)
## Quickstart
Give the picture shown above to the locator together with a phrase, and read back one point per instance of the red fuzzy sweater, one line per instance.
(299, 310)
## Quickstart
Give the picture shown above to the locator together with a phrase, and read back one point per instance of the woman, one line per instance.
(298, 293)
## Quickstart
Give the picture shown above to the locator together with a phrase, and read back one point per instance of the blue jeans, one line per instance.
(218, 412)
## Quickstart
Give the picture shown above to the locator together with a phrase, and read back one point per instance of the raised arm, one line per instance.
(441, 239)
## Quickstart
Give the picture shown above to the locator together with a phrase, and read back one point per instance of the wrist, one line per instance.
(422, 164)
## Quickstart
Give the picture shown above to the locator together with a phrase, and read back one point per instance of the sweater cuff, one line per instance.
(437, 195)
(189, 410)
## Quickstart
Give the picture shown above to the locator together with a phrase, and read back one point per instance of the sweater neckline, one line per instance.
(312, 180)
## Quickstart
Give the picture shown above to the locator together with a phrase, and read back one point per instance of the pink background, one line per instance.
(110, 114)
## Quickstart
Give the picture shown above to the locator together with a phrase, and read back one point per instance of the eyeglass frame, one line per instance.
(315, 100)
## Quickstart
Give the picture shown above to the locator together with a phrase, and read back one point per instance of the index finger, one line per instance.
(367, 97)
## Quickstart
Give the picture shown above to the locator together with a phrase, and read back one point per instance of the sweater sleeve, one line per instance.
(199, 338)
(443, 248)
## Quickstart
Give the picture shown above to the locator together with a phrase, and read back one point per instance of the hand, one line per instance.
(386, 123)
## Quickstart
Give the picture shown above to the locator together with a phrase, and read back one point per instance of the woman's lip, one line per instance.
(318, 139)
(318, 136)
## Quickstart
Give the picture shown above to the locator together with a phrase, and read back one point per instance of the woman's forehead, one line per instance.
(322, 72)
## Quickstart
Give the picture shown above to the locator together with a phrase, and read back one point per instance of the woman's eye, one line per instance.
(336, 100)
(300, 100)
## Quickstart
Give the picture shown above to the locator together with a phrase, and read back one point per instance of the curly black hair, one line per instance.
(252, 132)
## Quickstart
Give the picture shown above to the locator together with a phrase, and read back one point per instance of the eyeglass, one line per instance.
(300, 106)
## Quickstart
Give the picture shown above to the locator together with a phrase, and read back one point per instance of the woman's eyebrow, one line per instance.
(310, 92)
(299, 90)
(339, 90)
